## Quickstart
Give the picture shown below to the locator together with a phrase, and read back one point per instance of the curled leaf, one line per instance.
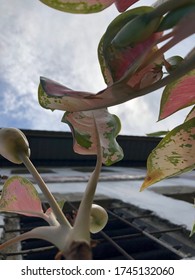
(83, 126)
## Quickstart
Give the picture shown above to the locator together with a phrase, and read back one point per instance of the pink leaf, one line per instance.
(122, 5)
(20, 196)
(178, 95)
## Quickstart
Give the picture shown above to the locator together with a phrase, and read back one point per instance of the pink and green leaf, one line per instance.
(115, 61)
(178, 95)
(173, 155)
(78, 6)
(20, 196)
(53, 95)
(86, 125)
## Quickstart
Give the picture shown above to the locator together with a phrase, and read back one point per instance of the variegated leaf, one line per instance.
(53, 95)
(178, 95)
(87, 127)
(20, 196)
(78, 6)
(174, 155)
(115, 61)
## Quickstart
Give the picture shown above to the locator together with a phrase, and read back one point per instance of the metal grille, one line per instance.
(131, 233)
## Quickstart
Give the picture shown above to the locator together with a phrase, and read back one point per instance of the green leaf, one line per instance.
(20, 196)
(115, 62)
(173, 17)
(173, 155)
(158, 133)
(178, 95)
(173, 62)
(78, 6)
(83, 126)
(137, 30)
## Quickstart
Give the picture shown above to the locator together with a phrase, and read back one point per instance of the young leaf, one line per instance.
(173, 155)
(173, 17)
(87, 6)
(178, 95)
(136, 31)
(83, 126)
(172, 63)
(20, 196)
(115, 62)
(78, 6)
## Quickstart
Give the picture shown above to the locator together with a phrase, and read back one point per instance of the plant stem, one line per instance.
(53, 203)
(81, 226)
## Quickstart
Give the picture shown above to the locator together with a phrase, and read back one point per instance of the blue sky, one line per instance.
(36, 40)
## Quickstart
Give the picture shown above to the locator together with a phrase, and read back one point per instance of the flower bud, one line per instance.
(13, 143)
(99, 218)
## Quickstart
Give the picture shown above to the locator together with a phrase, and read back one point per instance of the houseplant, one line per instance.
(133, 63)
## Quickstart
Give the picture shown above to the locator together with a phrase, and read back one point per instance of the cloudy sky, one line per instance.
(36, 40)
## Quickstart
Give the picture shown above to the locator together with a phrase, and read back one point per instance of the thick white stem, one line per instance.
(82, 222)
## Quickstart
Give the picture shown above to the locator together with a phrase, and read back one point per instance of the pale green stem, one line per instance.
(82, 222)
(50, 198)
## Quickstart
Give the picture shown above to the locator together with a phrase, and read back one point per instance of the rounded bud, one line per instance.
(13, 143)
(99, 218)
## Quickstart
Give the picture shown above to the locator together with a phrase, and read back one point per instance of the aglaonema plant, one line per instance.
(132, 60)
(92, 136)
(133, 63)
